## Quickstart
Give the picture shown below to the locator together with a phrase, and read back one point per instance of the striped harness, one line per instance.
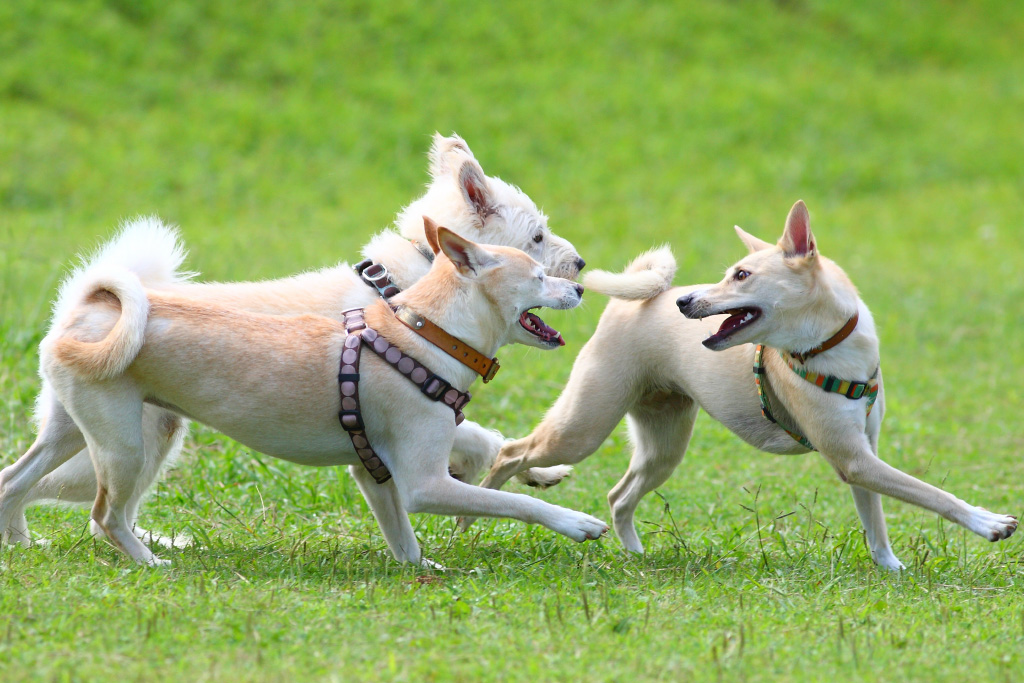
(852, 390)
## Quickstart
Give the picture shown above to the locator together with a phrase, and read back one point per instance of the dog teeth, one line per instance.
(748, 317)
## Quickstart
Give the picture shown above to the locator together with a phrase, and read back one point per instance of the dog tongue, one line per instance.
(732, 322)
(541, 329)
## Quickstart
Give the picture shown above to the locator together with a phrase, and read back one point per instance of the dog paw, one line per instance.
(886, 560)
(992, 525)
(581, 527)
(544, 477)
(155, 561)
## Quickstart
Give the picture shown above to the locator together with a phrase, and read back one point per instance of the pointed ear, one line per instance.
(753, 244)
(430, 232)
(797, 239)
(469, 257)
(446, 154)
(474, 186)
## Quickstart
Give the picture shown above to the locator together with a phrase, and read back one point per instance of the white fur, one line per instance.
(647, 276)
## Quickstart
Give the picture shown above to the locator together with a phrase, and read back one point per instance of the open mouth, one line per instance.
(538, 328)
(737, 320)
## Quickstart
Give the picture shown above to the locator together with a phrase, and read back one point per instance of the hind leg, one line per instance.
(660, 427)
(163, 433)
(476, 448)
(593, 402)
(58, 440)
(595, 398)
(110, 416)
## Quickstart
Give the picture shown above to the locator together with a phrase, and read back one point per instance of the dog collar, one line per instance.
(377, 276)
(844, 332)
(847, 388)
(456, 348)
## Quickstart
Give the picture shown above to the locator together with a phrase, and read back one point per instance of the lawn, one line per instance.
(280, 136)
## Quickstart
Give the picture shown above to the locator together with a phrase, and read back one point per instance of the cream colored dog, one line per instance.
(483, 209)
(272, 382)
(647, 362)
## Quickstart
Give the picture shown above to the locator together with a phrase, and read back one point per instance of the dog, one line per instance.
(272, 382)
(483, 209)
(646, 362)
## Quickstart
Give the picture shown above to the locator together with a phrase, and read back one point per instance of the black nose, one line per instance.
(579, 289)
(684, 302)
(580, 264)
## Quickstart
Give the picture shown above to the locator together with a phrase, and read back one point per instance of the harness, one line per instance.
(433, 386)
(850, 389)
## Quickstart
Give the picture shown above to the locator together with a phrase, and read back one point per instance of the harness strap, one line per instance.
(377, 276)
(846, 388)
(432, 386)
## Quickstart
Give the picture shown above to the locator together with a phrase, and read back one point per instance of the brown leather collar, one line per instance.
(456, 348)
(832, 341)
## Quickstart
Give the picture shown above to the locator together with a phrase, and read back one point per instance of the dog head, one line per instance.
(784, 295)
(485, 210)
(494, 287)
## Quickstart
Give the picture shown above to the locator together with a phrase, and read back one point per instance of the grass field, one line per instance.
(281, 135)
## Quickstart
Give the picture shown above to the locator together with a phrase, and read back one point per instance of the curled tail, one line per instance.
(111, 355)
(144, 253)
(647, 276)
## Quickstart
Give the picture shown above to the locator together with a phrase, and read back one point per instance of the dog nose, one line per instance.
(580, 264)
(684, 302)
(579, 289)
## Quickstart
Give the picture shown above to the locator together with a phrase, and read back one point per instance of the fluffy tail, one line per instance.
(647, 276)
(145, 253)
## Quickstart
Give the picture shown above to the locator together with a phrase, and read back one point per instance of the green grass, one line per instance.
(280, 137)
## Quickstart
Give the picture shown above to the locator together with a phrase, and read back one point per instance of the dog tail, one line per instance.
(144, 253)
(647, 276)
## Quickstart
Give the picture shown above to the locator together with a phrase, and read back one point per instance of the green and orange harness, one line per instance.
(850, 389)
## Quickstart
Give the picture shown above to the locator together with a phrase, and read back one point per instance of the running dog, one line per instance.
(483, 209)
(790, 313)
(279, 384)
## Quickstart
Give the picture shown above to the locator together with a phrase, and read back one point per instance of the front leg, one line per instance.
(857, 465)
(442, 495)
(392, 518)
(420, 473)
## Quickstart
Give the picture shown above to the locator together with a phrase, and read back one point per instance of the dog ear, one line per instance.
(468, 257)
(753, 244)
(797, 239)
(474, 186)
(430, 232)
(447, 154)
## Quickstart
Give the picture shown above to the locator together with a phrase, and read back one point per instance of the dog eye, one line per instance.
(742, 274)
(538, 238)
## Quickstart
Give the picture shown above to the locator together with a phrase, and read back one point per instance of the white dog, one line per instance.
(460, 196)
(817, 378)
(273, 382)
